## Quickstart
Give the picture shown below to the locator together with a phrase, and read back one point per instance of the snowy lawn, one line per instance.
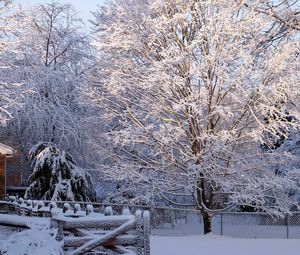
(221, 245)
(32, 242)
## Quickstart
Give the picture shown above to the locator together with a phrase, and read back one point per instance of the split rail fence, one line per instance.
(83, 231)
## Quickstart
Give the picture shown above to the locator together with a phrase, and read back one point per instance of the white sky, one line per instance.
(82, 6)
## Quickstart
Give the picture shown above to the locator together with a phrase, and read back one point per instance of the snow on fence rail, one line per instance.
(83, 231)
(180, 222)
(163, 220)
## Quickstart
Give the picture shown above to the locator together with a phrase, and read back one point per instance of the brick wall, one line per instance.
(18, 166)
(2, 176)
(14, 170)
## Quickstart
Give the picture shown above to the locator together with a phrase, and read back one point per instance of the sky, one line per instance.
(82, 6)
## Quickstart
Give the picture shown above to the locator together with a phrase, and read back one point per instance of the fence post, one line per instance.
(146, 219)
(89, 209)
(287, 226)
(221, 223)
(66, 207)
(139, 232)
(22, 207)
(6, 204)
(57, 223)
(77, 208)
(108, 211)
(35, 208)
(40, 208)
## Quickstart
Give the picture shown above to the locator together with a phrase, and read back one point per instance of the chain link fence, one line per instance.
(163, 221)
(180, 222)
(256, 225)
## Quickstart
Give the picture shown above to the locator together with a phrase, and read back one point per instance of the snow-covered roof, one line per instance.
(6, 150)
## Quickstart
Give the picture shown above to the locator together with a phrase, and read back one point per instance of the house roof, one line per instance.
(6, 150)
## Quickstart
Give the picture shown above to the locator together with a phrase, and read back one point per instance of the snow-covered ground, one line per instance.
(45, 244)
(40, 239)
(221, 245)
(31, 242)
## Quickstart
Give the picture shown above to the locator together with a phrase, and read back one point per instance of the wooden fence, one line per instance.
(84, 231)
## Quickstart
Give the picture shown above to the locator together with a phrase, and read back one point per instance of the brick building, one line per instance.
(5, 152)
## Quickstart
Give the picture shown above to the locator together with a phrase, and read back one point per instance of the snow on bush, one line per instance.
(55, 176)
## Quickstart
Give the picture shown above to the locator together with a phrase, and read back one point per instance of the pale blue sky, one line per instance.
(82, 6)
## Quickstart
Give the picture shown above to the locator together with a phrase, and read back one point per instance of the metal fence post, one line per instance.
(287, 226)
(221, 224)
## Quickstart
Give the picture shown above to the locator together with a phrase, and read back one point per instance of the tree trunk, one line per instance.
(203, 196)
(206, 218)
(206, 222)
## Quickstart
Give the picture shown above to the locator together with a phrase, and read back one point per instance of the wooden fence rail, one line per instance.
(83, 231)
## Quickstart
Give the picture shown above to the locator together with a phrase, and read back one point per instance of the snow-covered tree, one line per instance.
(11, 91)
(291, 148)
(186, 86)
(51, 59)
(55, 176)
